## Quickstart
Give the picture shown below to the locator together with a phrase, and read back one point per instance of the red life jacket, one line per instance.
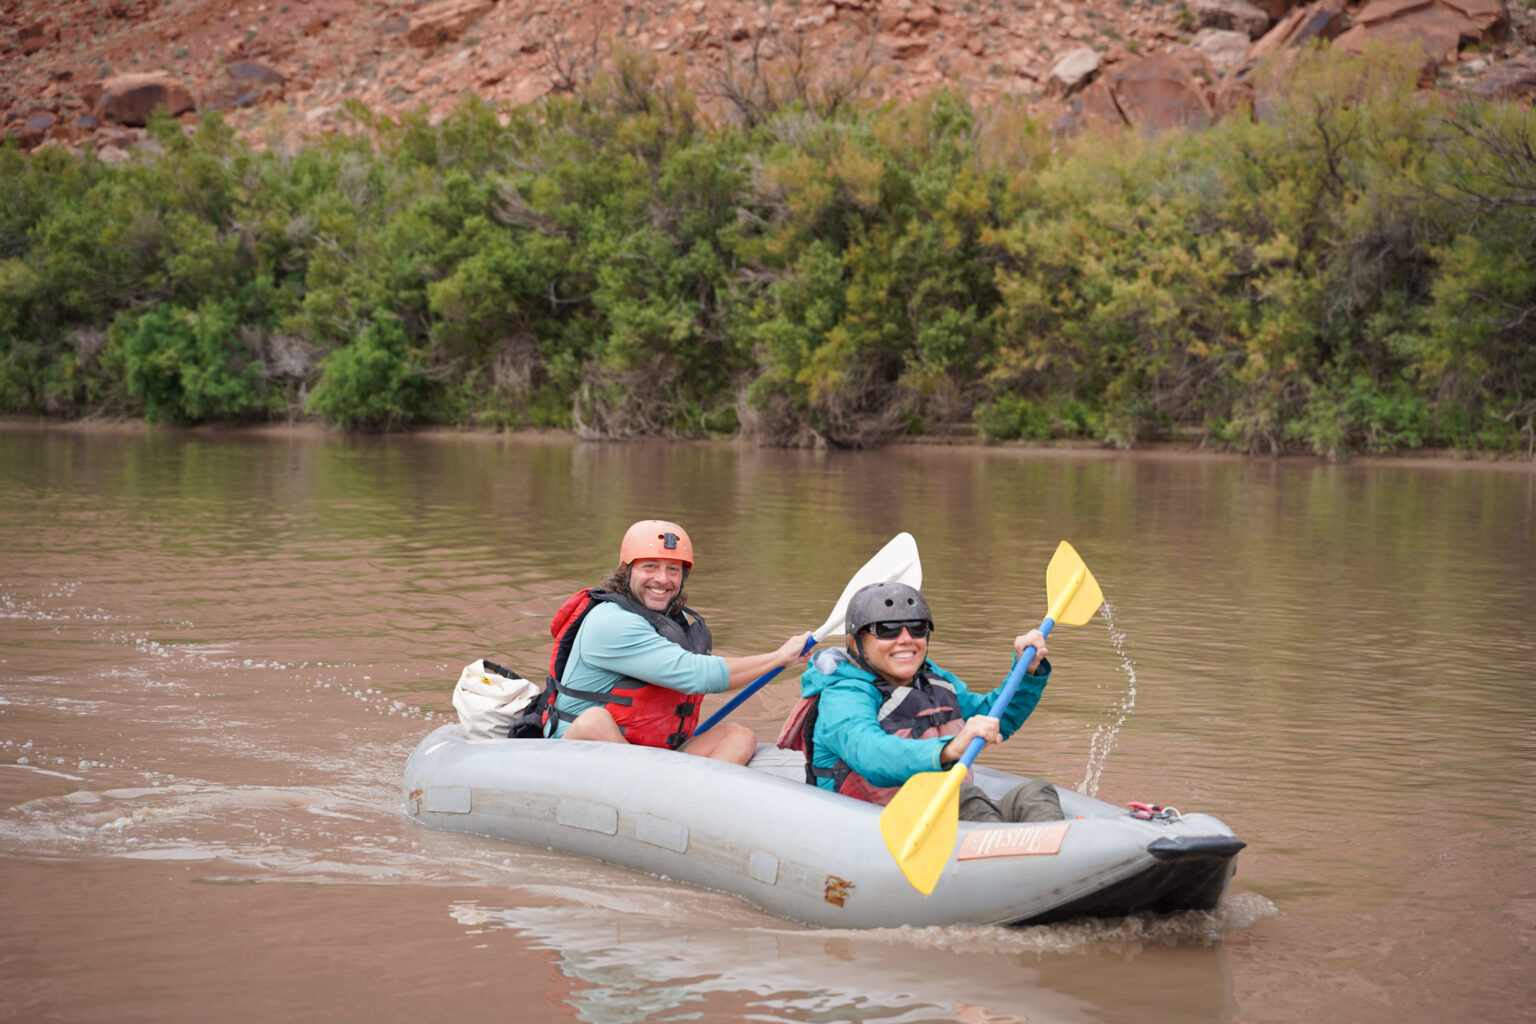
(647, 714)
(928, 708)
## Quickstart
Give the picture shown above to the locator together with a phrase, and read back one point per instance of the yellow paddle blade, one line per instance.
(1080, 599)
(919, 826)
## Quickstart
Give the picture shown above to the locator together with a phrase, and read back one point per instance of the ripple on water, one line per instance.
(638, 944)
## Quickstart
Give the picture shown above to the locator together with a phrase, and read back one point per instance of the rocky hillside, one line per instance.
(77, 71)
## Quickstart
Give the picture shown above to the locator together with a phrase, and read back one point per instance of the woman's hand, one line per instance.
(1023, 640)
(984, 726)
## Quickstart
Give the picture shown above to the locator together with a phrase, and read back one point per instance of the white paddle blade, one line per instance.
(897, 562)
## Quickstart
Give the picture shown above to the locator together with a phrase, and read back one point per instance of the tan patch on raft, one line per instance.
(1020, 841)
(837, 890)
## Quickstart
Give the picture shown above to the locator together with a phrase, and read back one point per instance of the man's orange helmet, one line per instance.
(656, 538)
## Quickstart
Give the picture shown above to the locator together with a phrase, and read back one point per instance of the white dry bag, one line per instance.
(488, 697)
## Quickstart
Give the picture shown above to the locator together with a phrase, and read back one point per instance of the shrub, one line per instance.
(1351, 272)
(375, 383)
(1010, 417)
(187, 366)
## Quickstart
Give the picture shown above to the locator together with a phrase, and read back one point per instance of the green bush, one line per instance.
(1010, 417)
(1354, 271)
(187, 366)
(375, 383)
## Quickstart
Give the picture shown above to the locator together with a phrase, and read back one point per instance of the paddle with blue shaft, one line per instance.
(920, 823)
(897, 562)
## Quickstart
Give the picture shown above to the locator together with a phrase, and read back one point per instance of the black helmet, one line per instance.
(885, 602)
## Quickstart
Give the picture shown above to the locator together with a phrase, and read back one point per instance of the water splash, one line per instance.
(1114, 714)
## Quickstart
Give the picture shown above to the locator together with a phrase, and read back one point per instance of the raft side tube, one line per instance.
(794, 850)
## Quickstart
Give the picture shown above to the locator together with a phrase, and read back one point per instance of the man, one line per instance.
(883, 712)
(632, 662)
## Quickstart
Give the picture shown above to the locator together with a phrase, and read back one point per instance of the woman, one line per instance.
(881, 712)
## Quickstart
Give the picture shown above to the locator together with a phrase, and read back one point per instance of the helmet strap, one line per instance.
(858, 654)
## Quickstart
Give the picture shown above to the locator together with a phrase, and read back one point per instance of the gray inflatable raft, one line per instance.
(804, 854)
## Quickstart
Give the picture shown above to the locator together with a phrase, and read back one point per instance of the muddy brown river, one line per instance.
(217, 650)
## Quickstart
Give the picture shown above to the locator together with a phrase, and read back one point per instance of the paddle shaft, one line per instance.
(956, 773)
(746, 691)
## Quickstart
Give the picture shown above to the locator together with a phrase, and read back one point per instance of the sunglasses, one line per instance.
(891, 630)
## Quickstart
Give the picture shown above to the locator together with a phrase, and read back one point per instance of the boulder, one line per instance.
(1235, 95)
(904, 47)
(922, 17)
(1276, 9)
(1022, 62)
(1322, 19)
(36, 36)
(1157, 93)
(1073, 71)
(130, 99)
(1438, 29)
(1093, 107)
(1224, 50)
(33, 128)
(530, 89)
(1374, 12)
(445, 21)
(1516, 80)
(1232, 15)
(250, 83)
(1490, 16)
(254, 72)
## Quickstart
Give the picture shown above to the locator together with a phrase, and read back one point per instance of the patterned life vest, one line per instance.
(929, 707)
(647, 714)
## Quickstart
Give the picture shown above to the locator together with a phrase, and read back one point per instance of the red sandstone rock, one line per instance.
(922, 17)
(130, 99)
(905, 47)
(1321, 19)
(36, 36)
(445, 21)
(332, 50)
(1438, 27)
(1157, 93)
(1093, 107)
